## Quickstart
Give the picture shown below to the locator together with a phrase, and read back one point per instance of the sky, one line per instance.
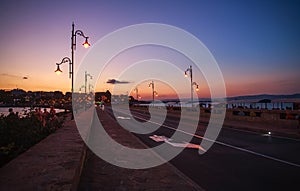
(255, 43)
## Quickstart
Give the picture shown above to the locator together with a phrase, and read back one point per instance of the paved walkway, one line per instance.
(260, 127)
(264, 128)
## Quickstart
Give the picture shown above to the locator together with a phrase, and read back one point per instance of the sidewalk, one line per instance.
(263, 128)
(100, 175)
(252, 126)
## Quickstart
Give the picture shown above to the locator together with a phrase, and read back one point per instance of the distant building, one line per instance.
(18, 92)
(58, 95)
(120, 99)
(68, 94)
(103, 96)
(47, 94)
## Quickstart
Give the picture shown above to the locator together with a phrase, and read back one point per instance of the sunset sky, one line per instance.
(255, 43)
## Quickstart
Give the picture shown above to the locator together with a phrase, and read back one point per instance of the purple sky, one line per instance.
(256, 43)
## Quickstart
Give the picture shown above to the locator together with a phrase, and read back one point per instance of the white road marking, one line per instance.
(167, 140)
(121, 117)
(186, 145)
(159, 138)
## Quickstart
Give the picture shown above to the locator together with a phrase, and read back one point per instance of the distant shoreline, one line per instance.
(30, 106)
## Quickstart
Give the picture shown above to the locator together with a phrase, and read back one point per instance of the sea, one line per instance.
(23, 110)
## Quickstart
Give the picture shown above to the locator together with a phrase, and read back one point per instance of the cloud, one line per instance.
(14, 76)
(10, 75)
(114, 81)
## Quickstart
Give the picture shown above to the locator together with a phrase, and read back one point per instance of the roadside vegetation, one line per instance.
(17, 134)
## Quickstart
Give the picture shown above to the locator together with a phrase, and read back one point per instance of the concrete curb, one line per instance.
(79, 169)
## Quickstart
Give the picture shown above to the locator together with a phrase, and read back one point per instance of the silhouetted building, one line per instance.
(58, 95)
(18, 92)
(103, 96)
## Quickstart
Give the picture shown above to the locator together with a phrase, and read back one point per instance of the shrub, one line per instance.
(19, 134)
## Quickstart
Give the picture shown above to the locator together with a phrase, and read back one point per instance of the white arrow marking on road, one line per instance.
(167, 140)
(157, 138)
(121, 117)
(186, 145)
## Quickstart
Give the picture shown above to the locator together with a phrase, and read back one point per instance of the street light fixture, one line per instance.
(90, 87)
(137, 93)
(80, 89)
(58, 70)
(190, 70)
(151, 84)
(86, 44)
(65, 60)
(197, 86)
(85, 80)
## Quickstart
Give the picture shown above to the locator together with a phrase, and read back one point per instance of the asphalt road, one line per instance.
(238, 160)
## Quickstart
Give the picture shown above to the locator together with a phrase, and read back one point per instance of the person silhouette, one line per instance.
(11, 112)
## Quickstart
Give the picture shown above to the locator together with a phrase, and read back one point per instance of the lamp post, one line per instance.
(85, 80)
(90, 86)
(137, 93)
(190, 70)
(80, 91)
(153, 92)
(71, 61)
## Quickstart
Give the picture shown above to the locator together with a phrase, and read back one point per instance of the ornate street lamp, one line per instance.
(190, 70)
(86, 44)
(137, 93)
(151, 84)
(65, 60)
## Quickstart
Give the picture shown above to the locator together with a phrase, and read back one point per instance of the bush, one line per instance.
(19, 134)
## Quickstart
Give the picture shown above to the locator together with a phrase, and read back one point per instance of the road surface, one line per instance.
(238, 160)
